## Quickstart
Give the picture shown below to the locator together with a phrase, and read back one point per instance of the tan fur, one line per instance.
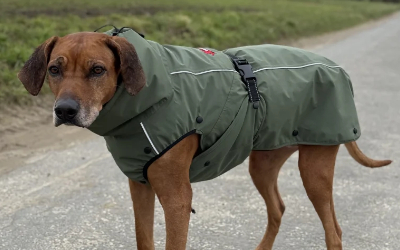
(169, 175)
(361, 158)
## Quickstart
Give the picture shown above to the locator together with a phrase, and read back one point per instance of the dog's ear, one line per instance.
(33, 73)
(128, 63)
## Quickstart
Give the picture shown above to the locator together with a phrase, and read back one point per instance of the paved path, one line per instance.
(78, 198)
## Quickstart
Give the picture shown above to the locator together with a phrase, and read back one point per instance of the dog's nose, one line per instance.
(66, 109)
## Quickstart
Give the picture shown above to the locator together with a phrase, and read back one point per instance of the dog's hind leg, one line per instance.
(264, 169)
(143, 198)
(317, 165)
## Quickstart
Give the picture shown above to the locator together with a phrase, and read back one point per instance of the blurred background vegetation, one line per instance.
(25, 24)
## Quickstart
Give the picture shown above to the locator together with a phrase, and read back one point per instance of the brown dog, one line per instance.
(83, 70)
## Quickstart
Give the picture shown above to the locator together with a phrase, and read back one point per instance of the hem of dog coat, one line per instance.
(146, 167)
(310, 143)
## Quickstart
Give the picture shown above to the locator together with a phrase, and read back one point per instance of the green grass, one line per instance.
(25, 24)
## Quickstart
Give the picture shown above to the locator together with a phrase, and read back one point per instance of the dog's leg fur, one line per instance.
(317, 165)
(264, 169)
(169, 177)
(143, 198)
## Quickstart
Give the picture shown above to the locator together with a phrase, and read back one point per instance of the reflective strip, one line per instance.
(204, 72)
(297, 67)
(255, 71)
(148, 138)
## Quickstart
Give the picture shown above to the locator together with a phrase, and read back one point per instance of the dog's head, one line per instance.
(82, 70)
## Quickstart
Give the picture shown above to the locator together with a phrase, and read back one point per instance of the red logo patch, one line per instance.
(207, 51)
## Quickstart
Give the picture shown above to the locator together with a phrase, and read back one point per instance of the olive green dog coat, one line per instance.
(305, 99)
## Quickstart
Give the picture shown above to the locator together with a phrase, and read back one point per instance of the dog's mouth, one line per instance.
(83, 119)
(73, 122)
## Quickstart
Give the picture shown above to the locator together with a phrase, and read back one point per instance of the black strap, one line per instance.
(115, 28)
(243, 67)
(116, 31)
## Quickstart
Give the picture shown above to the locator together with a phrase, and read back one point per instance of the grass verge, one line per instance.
(26, 24)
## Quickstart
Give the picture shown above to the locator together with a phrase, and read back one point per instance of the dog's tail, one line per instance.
(361, 158)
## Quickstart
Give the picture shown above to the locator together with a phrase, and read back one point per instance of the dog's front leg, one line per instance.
(143, 205)
(169, 177)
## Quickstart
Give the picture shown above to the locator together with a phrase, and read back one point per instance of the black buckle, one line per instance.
(249, 79)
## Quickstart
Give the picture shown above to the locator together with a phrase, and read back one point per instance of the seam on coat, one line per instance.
(148, 164)
(225, 106)
(203, 72)
(262, 120)
(296, 67)
(148, 138)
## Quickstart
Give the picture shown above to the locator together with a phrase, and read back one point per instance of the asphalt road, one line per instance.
(78, 199)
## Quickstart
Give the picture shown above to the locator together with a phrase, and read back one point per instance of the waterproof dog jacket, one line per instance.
(305, 99)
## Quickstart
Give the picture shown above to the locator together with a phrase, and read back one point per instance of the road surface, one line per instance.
(77, 198)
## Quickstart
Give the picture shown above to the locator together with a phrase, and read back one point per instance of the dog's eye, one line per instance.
(54, 70)
(98, 70)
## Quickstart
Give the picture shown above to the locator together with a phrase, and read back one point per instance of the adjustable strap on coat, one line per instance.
(116, 31)
(243, 67)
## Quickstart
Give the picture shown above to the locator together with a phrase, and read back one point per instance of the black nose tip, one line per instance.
(66, 109)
